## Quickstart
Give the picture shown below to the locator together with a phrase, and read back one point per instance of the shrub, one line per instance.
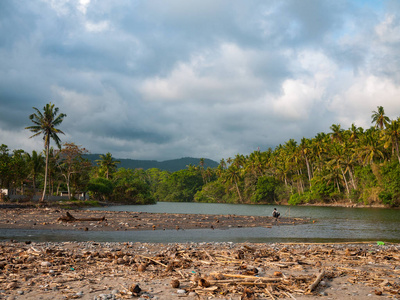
(265, 190)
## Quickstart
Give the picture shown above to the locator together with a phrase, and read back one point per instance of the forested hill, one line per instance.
(167, 165)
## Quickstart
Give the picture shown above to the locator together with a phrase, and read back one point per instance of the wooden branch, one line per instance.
(269, 293)
(261, 279)
(316, 282)
(70, 218)
(153, 260)
(164, 265)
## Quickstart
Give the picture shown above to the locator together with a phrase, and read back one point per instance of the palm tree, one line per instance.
(337, 132)
(45, 124)
(391, 137)
(305, 150)
(371, 148)
(379, 118)
(108, 163)
(233, 175)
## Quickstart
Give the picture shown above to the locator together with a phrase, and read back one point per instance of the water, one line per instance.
(333, 224)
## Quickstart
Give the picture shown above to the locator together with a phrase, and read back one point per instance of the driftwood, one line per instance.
(316, 282)
(70, 218)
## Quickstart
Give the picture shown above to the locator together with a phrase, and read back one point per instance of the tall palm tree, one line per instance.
(379, 118)
(233, 175)
(391, 137)
(108, 163)
(45, 124)
(372, 148)
(305, 150)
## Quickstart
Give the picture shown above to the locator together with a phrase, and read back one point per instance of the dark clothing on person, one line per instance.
(275, 214)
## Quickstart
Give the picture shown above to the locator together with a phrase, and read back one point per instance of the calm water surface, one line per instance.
(333, 224)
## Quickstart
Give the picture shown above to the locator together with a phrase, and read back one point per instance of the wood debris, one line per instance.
(211, 269)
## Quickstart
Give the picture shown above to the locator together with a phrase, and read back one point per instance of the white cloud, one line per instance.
(388, 31)
(83, 5)
(97, 27)
(355, 105)
(297, 99)
(313, 72)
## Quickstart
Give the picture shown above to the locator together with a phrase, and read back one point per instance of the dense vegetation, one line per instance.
(355, 165)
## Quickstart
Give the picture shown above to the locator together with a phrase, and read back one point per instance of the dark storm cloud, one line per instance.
(166, 79)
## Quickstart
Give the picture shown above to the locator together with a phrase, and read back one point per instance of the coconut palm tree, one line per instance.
(233, 175)
(391, 137)
(379, 118)
(305, 150)
(45, 124)
(371, 149)
(337, 132)
(108, 163)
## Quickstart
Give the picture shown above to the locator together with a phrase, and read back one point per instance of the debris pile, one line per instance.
(90, 270)
(92, 220)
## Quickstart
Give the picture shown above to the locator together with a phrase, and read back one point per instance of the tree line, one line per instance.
(353, 165)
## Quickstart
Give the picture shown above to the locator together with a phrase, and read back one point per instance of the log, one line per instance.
(70, 218)
(316, 282)
(248, 277)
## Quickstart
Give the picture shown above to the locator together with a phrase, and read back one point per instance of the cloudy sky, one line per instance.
(156, 79)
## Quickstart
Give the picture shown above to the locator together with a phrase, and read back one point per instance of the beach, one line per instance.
(217, 270)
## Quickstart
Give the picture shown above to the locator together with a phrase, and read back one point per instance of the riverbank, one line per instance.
(56, 219)
(90, 270)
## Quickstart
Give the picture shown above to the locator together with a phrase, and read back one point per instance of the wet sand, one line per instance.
(49, 218)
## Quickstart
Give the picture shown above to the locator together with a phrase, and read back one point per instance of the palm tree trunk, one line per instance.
(46, 169)
(69, 187)
(345, 181)
(352, 179)
(308, 170)
(238, 191)
(396, 145)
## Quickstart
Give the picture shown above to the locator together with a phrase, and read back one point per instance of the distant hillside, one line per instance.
(167, 165)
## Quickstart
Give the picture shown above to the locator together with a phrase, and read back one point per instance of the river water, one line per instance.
(333, 224)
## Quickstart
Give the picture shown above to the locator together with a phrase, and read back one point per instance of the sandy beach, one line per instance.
(91, 270)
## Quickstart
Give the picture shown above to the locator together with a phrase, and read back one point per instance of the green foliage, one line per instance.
(390, 184)
(131, 188)
(180, 186)
(368, 191)
(213, 192)
(265, 190)
(354, 165)
(295, 199)
(100, 188)
(321, 190)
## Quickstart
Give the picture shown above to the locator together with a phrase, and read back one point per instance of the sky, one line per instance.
(159, 80)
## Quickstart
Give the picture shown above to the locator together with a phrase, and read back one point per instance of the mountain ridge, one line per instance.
(171, 165)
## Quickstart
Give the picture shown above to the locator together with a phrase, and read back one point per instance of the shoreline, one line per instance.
(74, 205)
